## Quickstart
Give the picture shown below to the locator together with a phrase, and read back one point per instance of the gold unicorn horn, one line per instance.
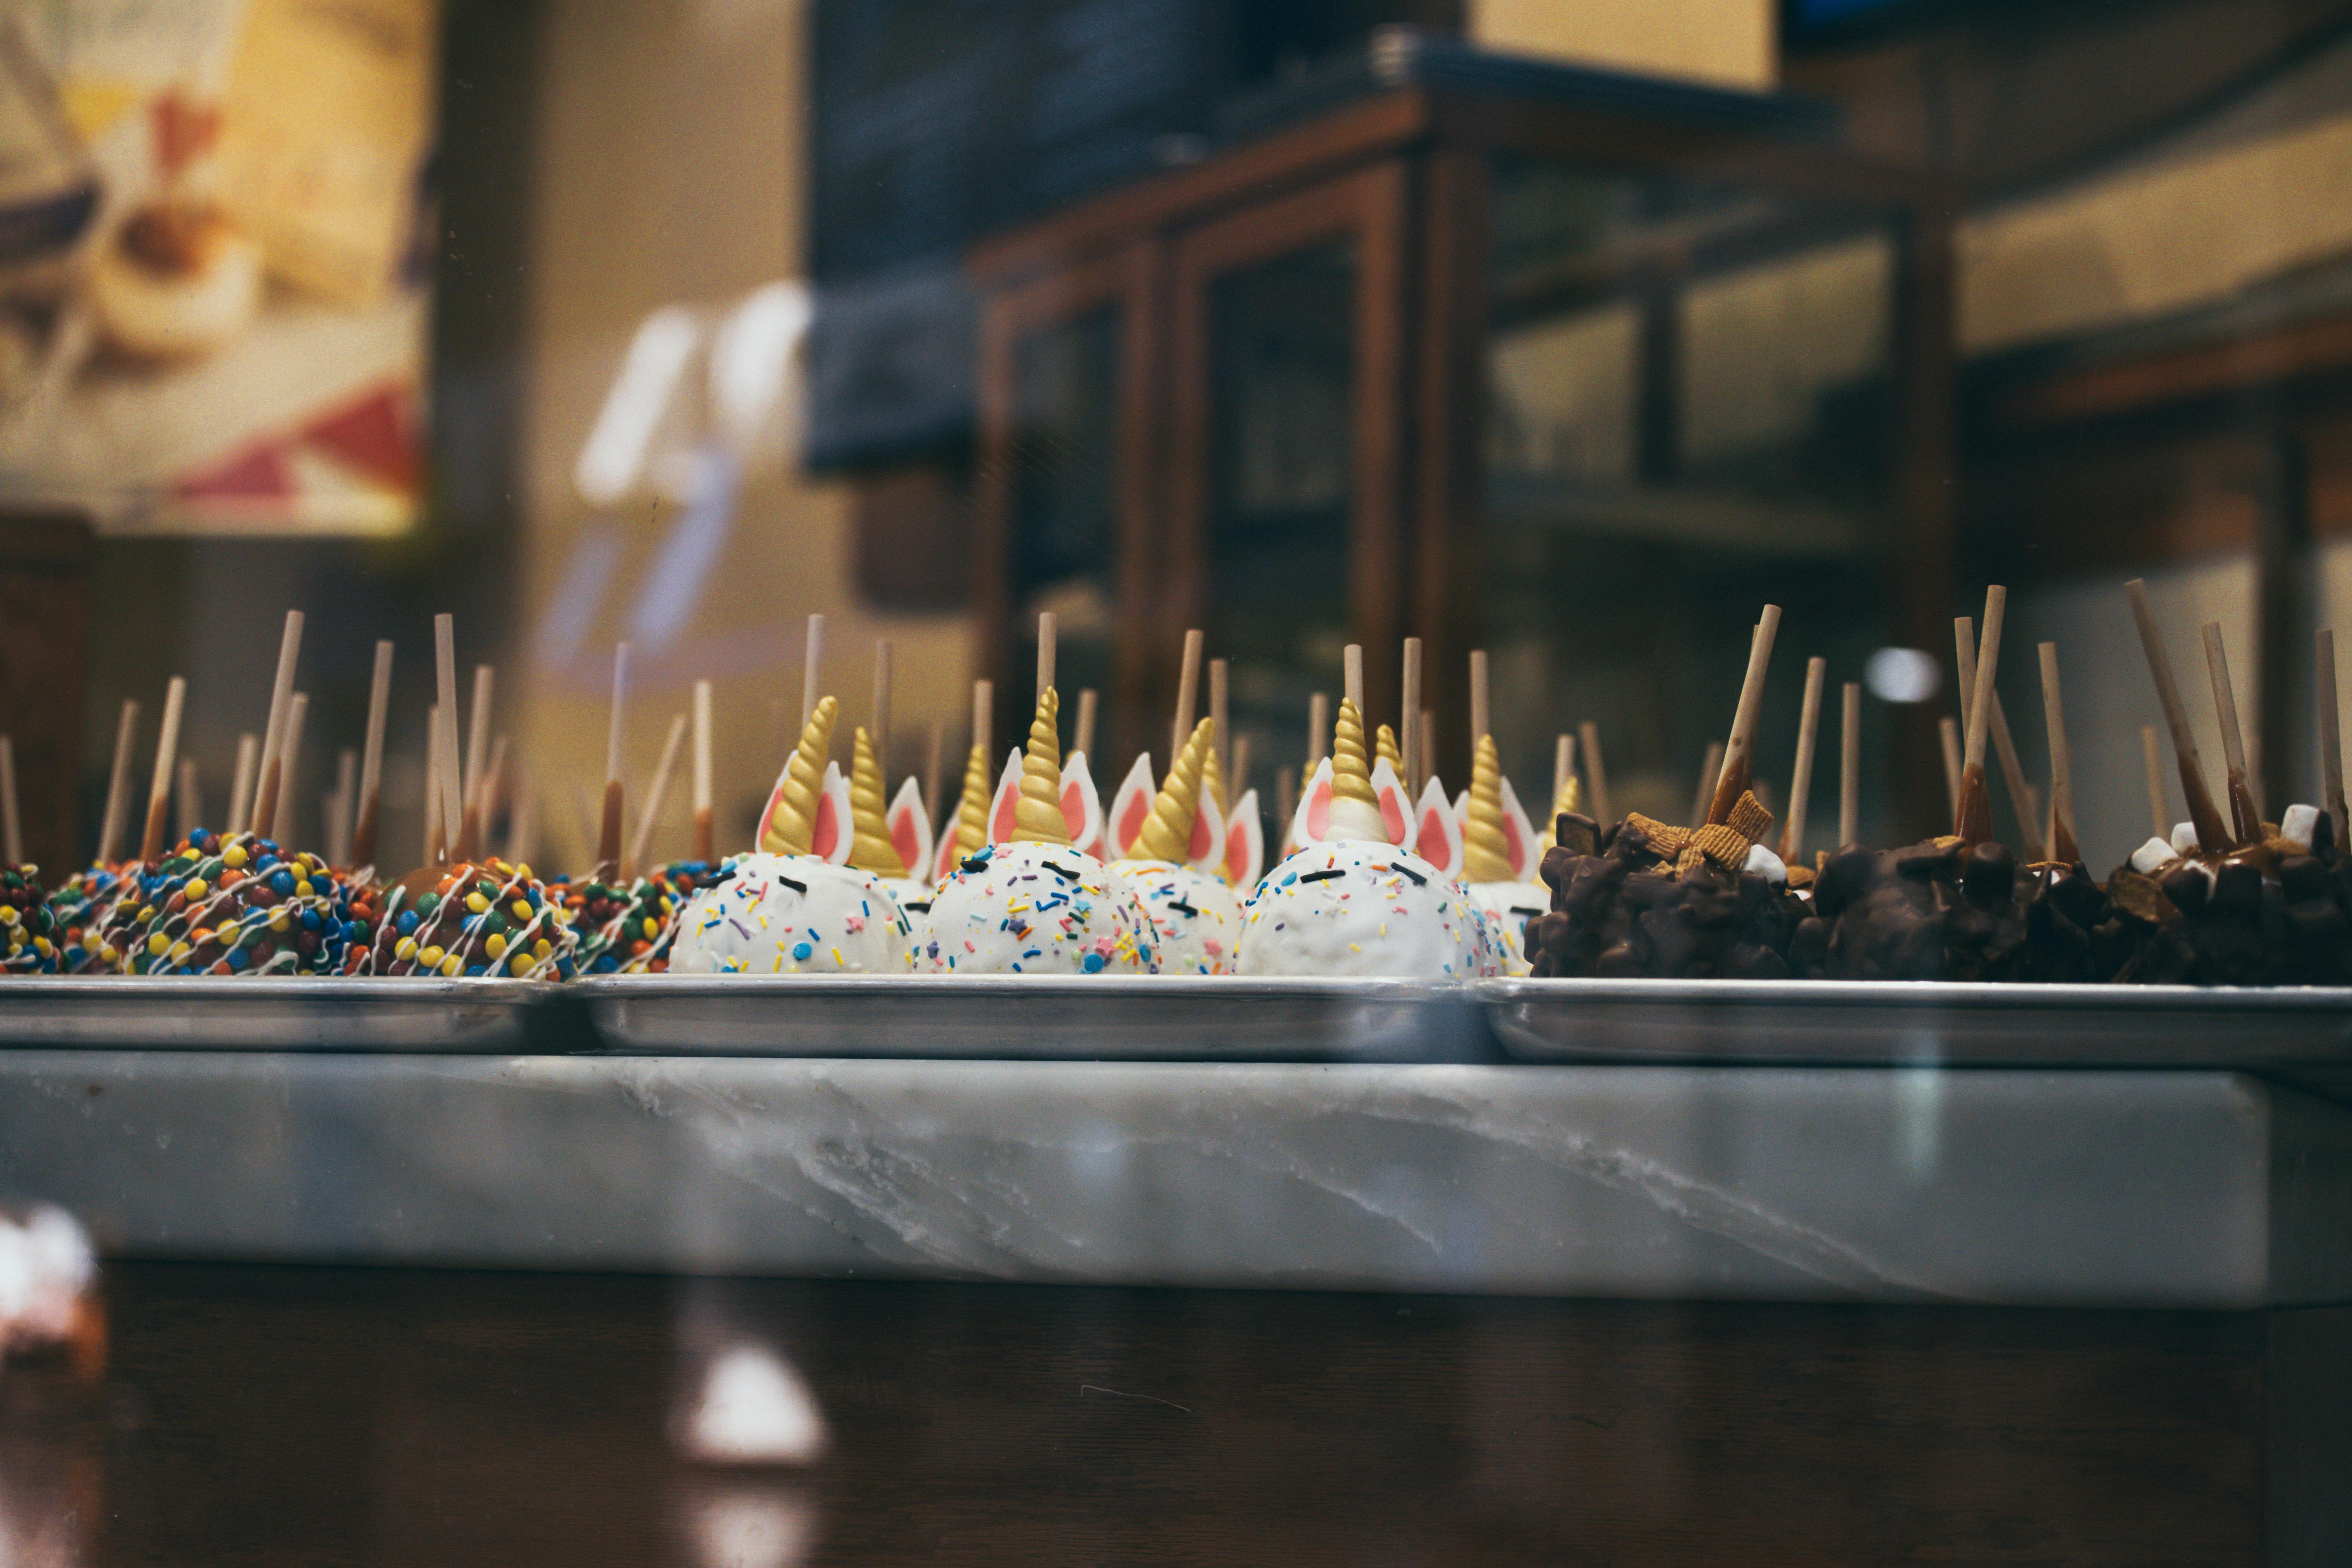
(1387, 750)
(1213, 780)
(1167, 832)
(1486, 852)
(972, 807)
(1571, 797)
(870, 850)
(1352, 775)
(1037, 814)
(793, 825)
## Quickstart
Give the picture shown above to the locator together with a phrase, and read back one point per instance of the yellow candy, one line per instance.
(542, 948)
(278, 921)
(475, 903)
(522, 911)
(233, 856)
(180, 951)
(196, 889)
(496, 946)
(302, 889)
(405, 948)
(522, 872)
(431, 957)
(653, 927)
(105, 954)
(41, 946)
(520, 965)
(146, 913)
(159, 944)
(7, 914)
(451, 967)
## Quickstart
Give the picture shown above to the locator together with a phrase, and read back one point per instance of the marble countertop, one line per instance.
(1991, 1184)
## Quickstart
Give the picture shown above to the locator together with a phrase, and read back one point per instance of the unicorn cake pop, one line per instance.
(1172, 857)
(1354, 899)
(1499, 856)
(1030, 902)
(793, 907)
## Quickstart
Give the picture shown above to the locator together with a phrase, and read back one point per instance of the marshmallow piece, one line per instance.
(2299, 824)
(1766, 864)
(2150, 857)
(2184, 838)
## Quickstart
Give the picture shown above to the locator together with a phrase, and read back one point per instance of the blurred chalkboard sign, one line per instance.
(938, 119)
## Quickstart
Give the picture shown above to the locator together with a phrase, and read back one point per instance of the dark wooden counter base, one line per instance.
(325, 1415)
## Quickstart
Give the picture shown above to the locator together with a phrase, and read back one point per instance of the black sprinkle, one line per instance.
(973, 864)
(1418, 879)
(800, 887)
(1181, 907)
(1066, 876)
(1321, 876)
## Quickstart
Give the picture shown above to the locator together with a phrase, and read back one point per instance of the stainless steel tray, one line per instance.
(1906, 1022)
(291, 1014)
(1038, 1017)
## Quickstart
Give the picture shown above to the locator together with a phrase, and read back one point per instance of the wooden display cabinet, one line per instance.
(1467, 347)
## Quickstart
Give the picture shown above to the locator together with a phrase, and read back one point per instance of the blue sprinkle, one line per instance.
(801, 950)
(1094, 963)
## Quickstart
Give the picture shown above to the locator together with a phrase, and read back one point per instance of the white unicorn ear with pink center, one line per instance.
(1244, 857)
(1396, 805)
(910, 830)
(1130, 808)
(830, 836)
(1437, 832)
(1526, 848)
(1008, 796)
(1082, 810)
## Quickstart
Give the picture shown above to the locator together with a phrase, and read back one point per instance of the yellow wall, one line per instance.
(670, 171)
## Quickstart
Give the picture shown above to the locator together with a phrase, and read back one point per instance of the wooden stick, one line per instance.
(2331, 741)
(1416, 764)
(2155, 763)
(2254, 770)
(2212, 834)
(191, 806)
(608, 831)
(1563, 763)
(1188, 696)
(1319, 729)
(1596, 773)
(812, 668)
(1089, 702)
(154, 831)
(2021, 799)
(1220, 670)
(1801, 782)
(477, 737)
(1048, 640)
(934, 766)
(12, 827)
(433, 851)
(881, 733)
(1710, 773)
(705, 834)
(1239, 783)
(1850, 765)
(1740, 756)
(2062, 847)
(522, 828)
(118, 786)
(345, 798)
(636, 858)
(370, 801)
(444, 668)
(1285, 799)
(1948, 731)
(2245, 817)
(1351, 688)
(282, 700)
(240, 786)
(1482, 694)
(1973, 821)
(983, 717)
(1428, 739)
(281, 825)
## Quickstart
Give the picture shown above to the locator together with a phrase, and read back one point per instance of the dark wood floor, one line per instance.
(272, 1415)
